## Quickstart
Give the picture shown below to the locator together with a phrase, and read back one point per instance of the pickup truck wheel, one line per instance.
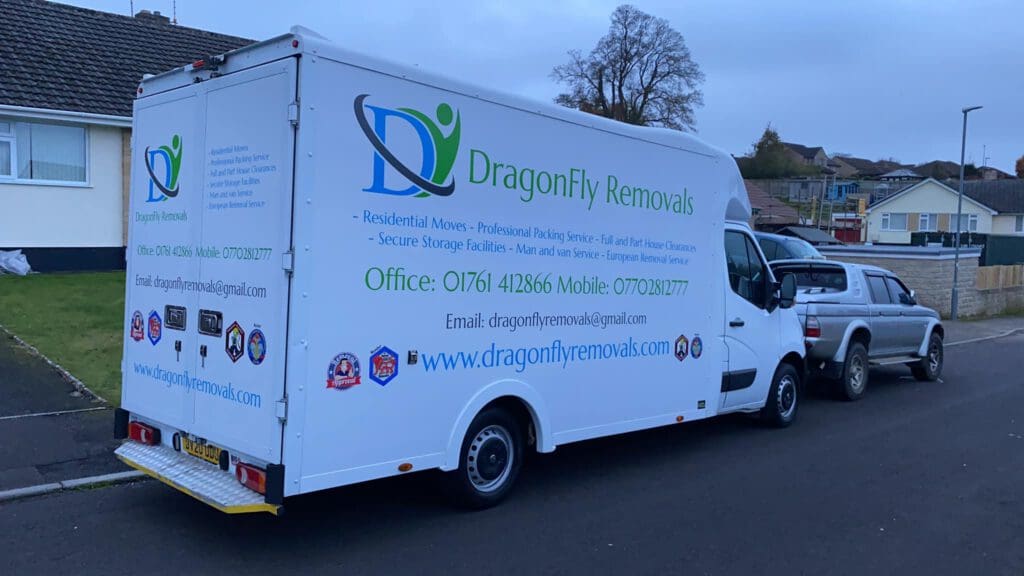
(783, 397)
(929, 368)
(855, 373)
(489, 462)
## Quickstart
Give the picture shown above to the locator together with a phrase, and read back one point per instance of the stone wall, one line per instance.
(929, 272)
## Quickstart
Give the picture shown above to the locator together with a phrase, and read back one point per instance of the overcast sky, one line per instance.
(872, 78)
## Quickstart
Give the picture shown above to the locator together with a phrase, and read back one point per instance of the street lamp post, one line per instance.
(955, 304)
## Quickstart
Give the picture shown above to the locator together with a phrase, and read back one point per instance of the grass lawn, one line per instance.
(76, 320)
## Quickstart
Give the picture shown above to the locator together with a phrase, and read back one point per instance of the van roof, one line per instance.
(737, 206)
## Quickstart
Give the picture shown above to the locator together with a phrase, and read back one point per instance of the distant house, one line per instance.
(990, 173)
(768, 213)
(900, 175)
(938, 169)
(853, 167)
(1003, 196)
(927, 206)
(807, 155)
(68, 77)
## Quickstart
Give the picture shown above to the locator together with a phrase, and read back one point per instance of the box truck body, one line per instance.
(336, 265)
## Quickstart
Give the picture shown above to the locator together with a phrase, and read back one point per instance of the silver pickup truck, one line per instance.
(855, 316)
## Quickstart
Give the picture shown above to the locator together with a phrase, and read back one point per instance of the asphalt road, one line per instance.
(918, 478)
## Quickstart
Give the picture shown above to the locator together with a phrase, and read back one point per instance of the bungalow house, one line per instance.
(927, 206)
(68, 76)
(1004, 196)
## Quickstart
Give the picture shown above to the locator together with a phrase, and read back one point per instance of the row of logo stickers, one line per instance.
(344, 371)
(236, 344)
(152, 328)
(684, 348)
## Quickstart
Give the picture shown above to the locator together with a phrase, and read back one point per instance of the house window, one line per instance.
(6, 150)
(894, 222)
(928, 223)
(968, 222)
(1019, 225)
(41, 152)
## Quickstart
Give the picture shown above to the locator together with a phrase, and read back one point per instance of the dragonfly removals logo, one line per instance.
(164, 166)
(438, 151)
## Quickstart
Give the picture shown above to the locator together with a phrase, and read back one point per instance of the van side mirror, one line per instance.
(787, 292)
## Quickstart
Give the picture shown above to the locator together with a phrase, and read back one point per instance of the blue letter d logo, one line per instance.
(380, 121)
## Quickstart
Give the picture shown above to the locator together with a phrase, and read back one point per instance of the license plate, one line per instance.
(201, 450)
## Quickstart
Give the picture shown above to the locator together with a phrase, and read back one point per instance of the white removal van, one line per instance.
(340, 269)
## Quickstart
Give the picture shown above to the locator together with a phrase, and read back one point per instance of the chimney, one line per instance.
(156, 17)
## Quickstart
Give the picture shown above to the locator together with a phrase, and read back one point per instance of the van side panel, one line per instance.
(445, 243)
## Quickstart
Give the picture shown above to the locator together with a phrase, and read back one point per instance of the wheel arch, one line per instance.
(934, 327)
(856, 330)
(519, 398)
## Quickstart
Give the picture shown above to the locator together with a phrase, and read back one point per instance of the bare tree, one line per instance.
(1019, 167)
(640, 72)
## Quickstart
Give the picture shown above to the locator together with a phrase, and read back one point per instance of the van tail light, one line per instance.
(812, 328)
(251, 477)
(144, 434)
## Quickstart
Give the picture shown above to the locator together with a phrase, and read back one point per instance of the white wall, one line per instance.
(928, 198)
(1005, 224)
(43, 216)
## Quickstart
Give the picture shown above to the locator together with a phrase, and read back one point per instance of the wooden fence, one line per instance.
(996, 277)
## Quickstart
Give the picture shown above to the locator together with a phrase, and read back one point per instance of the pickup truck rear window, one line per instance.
(816, 279)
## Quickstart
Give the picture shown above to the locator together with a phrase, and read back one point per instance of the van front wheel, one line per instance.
(783, 397)
(489, 462)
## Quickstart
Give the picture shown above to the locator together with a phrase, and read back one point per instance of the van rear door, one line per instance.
(244, 258)
(164, 228)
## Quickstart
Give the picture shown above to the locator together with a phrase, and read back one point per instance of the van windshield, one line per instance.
(815, 279)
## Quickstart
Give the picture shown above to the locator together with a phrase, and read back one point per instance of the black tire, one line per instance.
(494, 439)
(783, 397)
(929, 368)
(854, 381)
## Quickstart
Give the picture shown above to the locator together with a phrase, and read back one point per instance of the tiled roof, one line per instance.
(808, 152)
(63, 57)
(769, 210)
(1003, 196)
(868, 168)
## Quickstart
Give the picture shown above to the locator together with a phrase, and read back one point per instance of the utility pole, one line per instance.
(955, 304)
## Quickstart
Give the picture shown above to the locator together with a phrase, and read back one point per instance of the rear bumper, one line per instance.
(827, 369)
(202, 481)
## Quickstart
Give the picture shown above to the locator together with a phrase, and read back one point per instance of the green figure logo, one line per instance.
(164, 166)
(439, 151)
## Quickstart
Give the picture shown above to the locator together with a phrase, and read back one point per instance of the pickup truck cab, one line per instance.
(855, 316)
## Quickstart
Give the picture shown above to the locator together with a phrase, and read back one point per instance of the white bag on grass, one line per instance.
(14, 262)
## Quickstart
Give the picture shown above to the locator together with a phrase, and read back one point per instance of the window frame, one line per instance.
(871, 289)
(12, 138)
(971, 224)
(932, 220)
(903, 288)
(887, 218)
(753, 252)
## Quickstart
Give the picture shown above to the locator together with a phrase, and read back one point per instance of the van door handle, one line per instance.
(737, 323)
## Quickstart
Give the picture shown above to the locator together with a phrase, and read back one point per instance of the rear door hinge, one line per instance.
(293, 114)
(281, 410)
(288, 262)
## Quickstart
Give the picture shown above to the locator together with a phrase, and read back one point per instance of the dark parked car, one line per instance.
(778, 247)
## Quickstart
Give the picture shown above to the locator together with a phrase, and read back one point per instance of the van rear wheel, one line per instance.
(489, 462)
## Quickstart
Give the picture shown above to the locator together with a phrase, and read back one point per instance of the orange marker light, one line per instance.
(679, 418)
(404, 467)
